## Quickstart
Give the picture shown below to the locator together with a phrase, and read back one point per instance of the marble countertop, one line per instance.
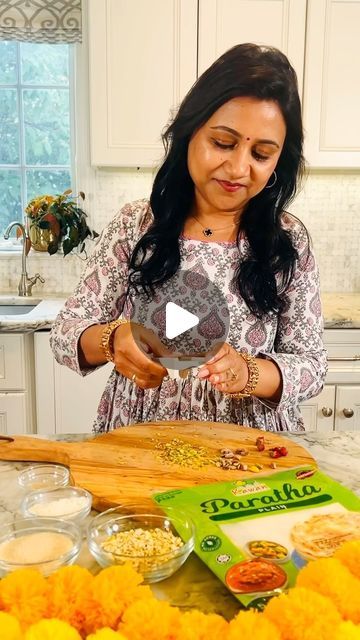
(341, 310)
(194, 585)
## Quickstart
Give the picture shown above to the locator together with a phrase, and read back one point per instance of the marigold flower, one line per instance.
(252, 625)
(349, 555)
(106, 634)
(347, 631)
(195, 625)
(332, 579)
(69, 595)
(10, 627)
(51, 630)
(111, 592)
(151, 619)
(24, 594)
(302, 614)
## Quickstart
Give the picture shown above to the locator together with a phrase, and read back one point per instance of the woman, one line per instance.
(232, 164)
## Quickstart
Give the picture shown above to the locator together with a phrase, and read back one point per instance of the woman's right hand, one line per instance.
(132, 342)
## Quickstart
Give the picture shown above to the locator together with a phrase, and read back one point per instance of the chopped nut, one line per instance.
(142, 547)
(243, 466)
(273, 465)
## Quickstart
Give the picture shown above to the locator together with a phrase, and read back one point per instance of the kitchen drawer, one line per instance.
(343, 344)
(12, 362)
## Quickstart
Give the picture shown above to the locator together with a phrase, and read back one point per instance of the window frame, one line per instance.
(22, 167)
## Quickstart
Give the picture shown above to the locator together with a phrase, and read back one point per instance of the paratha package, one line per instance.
(255, 534)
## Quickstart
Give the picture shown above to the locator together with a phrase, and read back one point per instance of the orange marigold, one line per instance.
(69, 595)
(302, 614)
(106, 634)
(10, 627)
(24, 594)
(347, 631)
(111, 592)
(151, 619)
(195, 625)
(332, 579)
(51, 630)
(252, 625)
(349, 555)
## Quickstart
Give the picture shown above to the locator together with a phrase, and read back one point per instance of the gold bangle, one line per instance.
(253, 377)
(107, 338)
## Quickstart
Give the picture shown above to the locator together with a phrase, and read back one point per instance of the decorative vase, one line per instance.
(40, 238)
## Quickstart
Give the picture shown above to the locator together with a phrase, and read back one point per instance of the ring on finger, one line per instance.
(233, 374)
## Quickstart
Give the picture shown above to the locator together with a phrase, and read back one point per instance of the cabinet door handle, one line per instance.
(327, 412)
(348, 413)
(355, 358)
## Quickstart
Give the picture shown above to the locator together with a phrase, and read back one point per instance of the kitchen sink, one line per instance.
(17, 306)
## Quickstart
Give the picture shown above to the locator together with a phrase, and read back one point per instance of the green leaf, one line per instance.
(43, 224)
(67, 246)
(53, 247)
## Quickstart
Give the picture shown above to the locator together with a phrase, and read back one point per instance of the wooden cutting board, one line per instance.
(124, 466)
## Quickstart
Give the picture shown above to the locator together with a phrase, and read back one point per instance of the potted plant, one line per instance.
(57, 221)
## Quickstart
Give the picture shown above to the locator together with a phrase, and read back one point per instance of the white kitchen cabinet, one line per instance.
(318, 413)
(347, 409)
(65, 401)
(331, 99)
(17, 410)
(142, 61)
(278, 23)
(338, 405)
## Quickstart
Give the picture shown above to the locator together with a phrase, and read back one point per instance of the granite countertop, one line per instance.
(341, 310)
(194, 585)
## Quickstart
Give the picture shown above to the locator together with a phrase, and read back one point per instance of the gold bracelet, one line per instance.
(107, 338)
(253, 379)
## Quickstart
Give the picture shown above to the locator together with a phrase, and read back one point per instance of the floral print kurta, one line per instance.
(292, 339)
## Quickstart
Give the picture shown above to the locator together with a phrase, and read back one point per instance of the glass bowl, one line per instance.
(45, 544)
(128, 526)
(67, 503)
(44, 476)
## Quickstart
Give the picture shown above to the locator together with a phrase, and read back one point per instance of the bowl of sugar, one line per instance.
(67, 503)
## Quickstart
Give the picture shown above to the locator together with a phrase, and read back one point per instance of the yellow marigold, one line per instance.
(349, 555)
(10, 627)
(111, 592)
(332, 579)
(24, 594)
(302, 614)
(106, 634)
(69, 595)
(51, 630)
(151, 619)
(195, 625)
(252, 625)
(347, 631)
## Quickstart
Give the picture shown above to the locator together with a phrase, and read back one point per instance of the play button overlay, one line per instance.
(189, 314)
(178, 320)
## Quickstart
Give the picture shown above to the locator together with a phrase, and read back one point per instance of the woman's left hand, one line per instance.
(226, 370)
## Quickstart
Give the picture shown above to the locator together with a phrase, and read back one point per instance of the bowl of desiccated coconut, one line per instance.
(155, 543)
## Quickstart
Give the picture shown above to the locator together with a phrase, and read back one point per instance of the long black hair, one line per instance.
(245, 70)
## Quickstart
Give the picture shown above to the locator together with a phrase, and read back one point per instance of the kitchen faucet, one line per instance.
(25, 284)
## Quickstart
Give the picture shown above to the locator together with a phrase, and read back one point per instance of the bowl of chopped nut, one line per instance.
(155, 543)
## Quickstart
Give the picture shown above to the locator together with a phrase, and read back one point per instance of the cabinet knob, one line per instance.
(327, 412)
(348, 413)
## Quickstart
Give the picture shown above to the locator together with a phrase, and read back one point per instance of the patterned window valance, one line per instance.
(40, 20)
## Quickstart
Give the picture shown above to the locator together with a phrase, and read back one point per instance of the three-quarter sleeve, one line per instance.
(100, 294)
(299, 349)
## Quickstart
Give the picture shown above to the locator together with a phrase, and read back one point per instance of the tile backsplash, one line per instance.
(329, 205)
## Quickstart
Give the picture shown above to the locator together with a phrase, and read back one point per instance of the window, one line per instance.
(36, 141)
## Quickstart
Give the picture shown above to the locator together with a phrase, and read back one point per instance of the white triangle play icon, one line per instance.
(178, 320)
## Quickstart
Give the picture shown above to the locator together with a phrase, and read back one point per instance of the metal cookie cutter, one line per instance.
(183, 366)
